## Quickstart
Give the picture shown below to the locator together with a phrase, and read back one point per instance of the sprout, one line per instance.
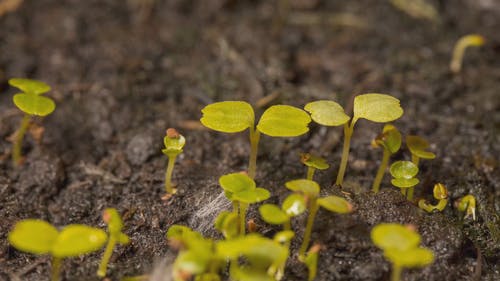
(313, 162)
(403, 173)
(471, 40)
(401, 247)
(379, 108)
(115, 224)
(310, 189)
(241, 190)
(174, 142)
(467, 204)
(32, 103)
(39, 237)
(440, 194)
(311, 261)
(237, 116)
(418, 148)
(390, 141)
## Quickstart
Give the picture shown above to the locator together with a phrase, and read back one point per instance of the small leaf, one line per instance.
(403, 170)
(284, 236)
(377, 108)
(394, 236)
(311, 262)
(284, 121)
(236, 182)
(390, 138)
(327, 113)
(314, 161)
(173, 143)
(33, 236)
(440, 191)
(34, 104)
(227, 223)
(190, 262)
(307, 187)
(418, 147)
(405, 183)
(335, 204)
(29, 85)
(272, 214)
(77, 239)
(228, 116)
(410, 258)
(294, 205)
(177, 231)
(252, 195)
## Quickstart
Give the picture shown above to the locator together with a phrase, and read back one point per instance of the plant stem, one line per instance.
(18, 142)
(396, 273)
(348, 129)
(168, 174)
(409, 194)
(381, 171)
(254, 147)
(415, 160)
(106, 256)
(441, 204)
(313, 209)
(243, 215)
(310, 173)
(56, 268)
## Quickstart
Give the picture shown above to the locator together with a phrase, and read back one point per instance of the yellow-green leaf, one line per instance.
(77, 239)
(272, 214)
(403, 170)
(390, 138)
(335, 204)
(34, 104)
(311, 262)
(405, 183)
(29, 85)
(394, 236)
(413, 257)
(327, 113)
(33, 236)
(314, 161)
(418, 147)
(227, 223)
(294, 205)
(284, 236)
(377, 108)
(228, 116)
(174, 142)
(284, 121)
(251, 196)
(308, 187)
(236, 182)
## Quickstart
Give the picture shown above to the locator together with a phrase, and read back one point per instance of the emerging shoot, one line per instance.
(174, 142)
(471, 40)
(390, 141)
(418, 147)
(115, 225)
(467, 204)
(403, 173)
(313, 163)
(440, 194)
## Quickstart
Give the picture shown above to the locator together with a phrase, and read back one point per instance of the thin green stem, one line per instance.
(310, 173)
(56, 268)
(381, 171)
(254, 148)
(441, 204)
(396, 273)
(313, 209)
(348, 129)
(409, 193)
(243, 216)
(236, 207)
(286, 227)
(168, 174)
(415, 159)
(18, 142)
(106, 256)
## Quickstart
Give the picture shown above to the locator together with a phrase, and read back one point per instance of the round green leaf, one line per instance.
(394, 236)
(252, 195)
(284, 121)
(284, 236)
(173, 145)
(327, 113)
(228, 116)
(77, 239)
(294, 205)
(390, 138)
(33, 236)
(418, 147)
(190, 262)
(403, 170)
(377, 108)
(272, 214)
(254, 247)
(335, 204)
(29, 85)
(236, 182)
(314, 161)
(413, 257)
(227, 223)
(405, 183)
(308, 187)
(34, 104)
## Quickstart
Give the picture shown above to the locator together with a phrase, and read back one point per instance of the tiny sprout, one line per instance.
(440, 194)
(467, 204)
(403, 173)
(32, 103)
(390, 141)
(39, 237)
(241, 190)
(174, 142)
(418, 147)
(311, 261)
(313, 162)
(401, 247)
(471, 40)
(115, 224)
(237, 116)
(379, 108)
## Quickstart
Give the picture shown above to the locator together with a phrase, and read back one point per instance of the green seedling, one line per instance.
(467, 204)
(174, 142)
(379, 108)
(32, 103)
(401, 247)
(310, 189)
(115, 225)
(471, 40)
(39, 237)
(237, 116)
(390, 141)
(228, 223)
(311, 261)
(403, 173)
(313, 163)
(418, 147)
(241, 190)
(440, 194)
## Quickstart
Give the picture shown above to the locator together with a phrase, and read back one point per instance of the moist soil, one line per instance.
(124, 71)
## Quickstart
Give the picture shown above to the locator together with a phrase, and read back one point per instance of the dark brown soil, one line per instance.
(122, 73)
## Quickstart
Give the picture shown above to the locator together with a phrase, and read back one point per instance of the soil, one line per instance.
(124, 71)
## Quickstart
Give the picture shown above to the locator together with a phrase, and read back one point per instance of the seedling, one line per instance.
(379, 108)
(418, 147)
(390, 141)
(311, 261)
(174, 142)
(228, 224)
(39, 237)
(310, 189)
(241, 190)
(403, 173)
(313, 162)
(467, 204)
(440, 194)
(32, 103)
(115, 225)
(401, 247)
(237, 116)
(471, 40)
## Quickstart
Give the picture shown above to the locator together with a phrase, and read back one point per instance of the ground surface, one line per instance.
(124, 71)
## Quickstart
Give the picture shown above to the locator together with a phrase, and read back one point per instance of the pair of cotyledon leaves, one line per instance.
(240, 187)
(31, 100)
